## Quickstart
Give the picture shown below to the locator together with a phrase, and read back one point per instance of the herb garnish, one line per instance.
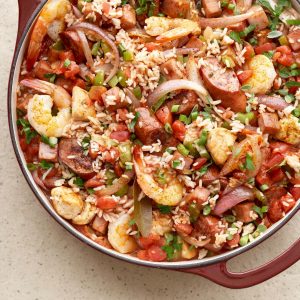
(27, 130)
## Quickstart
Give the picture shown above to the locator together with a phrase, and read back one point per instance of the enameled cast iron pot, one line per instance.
(213, 268)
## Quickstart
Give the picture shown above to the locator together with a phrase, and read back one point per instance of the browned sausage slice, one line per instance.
(71, 41)
(187, 101)
(223, 85)
(208, 226)
(148, 129)
(243, 212)
(128, 19)
(268, 123)
(176, 8)
(170, 69)
(71, 154)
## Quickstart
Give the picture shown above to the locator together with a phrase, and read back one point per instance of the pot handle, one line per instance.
(26, 9)
(219, 273)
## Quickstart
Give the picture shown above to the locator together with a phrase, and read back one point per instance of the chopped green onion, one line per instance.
(175, 108)
(137, 92)
(289, 98)
(46, 165)
(164, 209)
(51, 77)
(249, 163)
(245, 118)
(194, 212)
(176, 163)
(231, 6)
(67, 63)
(159, 103)
(194, 115)
(203, 138)
(114, 81)
(99, 78)
(184, 119)
(134, 121)
(52, 141)
(58, 45)
(183, 150)
(289, 84)
(244, 240)
(230, 218)
(264, 187)
(96, 48)
(206, 210)
(293, 22)
(121, 48)
(128, 55)
(122, 78)
(105, 47)
(261, 228)
(168, 128)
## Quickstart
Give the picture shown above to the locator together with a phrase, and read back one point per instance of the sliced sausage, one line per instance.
(274, 102)
(294, 39)
(112, 99)
(148, 129)
(41, 69)
(224, 85)
(171, 70)
(187, 101)
(208, 226)
(212, 8)
(210, 176)
(268, 123)
(195, 42)
(259, 18)
(176, 8)
(243, 212)
(71, 154)
(47, 153)
(71, 41)
(128, 19)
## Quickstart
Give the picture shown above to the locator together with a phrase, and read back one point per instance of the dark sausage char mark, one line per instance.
(71, 154)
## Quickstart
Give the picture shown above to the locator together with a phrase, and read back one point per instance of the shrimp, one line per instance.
(166, 29)
(170, 194)
(53, 11)
(40, 106)
(118, 237)
(67, 203)
(86, 216)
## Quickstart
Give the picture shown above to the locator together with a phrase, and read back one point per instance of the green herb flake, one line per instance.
(51, 77)
(27, 130)
(134, 121)
(164, 209)
(78, 181)
(235, 36)
(67, 63)
(249, 163)
(45, 165)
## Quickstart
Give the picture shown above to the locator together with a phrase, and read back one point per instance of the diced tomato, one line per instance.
(106, 202)
(72, 70)
(276, 175)
(153, 46)
(197, 165)
(263, 178)
(184, 228)
(286, 60)
(275, 160)
(81, 83)
(23, 144)
(280, 147)
(63, 55)
(266, 221)
(178, 130)
(164, 115)
(155, 253)
(67, 84)
(122, 112)
(96, 92)
(276, 56)
(93, 182)
(265, 48)
(118, 170)
(121, 127)
(275, 211)
(295, 191)
(287, 202)
(244, 76)
(284, 49)
(106, 7)
(142, 254)
(234, 241)
(249, 52)
(120, 136)
(147, 242)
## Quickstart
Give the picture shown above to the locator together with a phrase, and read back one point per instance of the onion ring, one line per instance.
(86, 48)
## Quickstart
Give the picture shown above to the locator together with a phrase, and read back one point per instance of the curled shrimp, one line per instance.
(118, 237)
(166, 29)
(53, 11)
(169, 194)
(40, 108)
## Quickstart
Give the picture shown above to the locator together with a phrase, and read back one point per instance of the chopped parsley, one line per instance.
(45, 165)
(249, 163)
(78, 181)
(172, 245)
(293, 22)
(131, 222)
(269, 54)
(51, 77)
(67, 63)
(51, 141)
(260, 210)
(164, 209)
(289, 84)
(134, 121)
(27, 130)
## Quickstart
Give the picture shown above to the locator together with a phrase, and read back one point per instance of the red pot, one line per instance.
(213, 268)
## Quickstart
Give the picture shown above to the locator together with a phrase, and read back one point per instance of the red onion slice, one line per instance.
(224, 21)
(234, 197)
(38, 180)
(135, 101)
(86, 48)
(102, 35)
(274, 102)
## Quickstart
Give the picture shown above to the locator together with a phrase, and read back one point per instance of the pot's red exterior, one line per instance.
(218, 272)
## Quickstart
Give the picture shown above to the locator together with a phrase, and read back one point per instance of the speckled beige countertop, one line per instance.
(40, 260)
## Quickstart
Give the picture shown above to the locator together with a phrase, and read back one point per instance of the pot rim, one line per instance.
(46, 204)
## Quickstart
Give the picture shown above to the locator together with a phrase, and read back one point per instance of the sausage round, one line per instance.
(148, 129)
(223, 85)
(208, 226)
(71, 154)
(71, 41)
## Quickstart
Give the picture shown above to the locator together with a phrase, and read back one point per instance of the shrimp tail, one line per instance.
(37, 36)
(38, 85)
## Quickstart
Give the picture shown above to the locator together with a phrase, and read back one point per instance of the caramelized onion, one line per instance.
(117, 185)
(86, 48)
(175, 85)
(233, 198)
(98, 33)
(135, 101)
